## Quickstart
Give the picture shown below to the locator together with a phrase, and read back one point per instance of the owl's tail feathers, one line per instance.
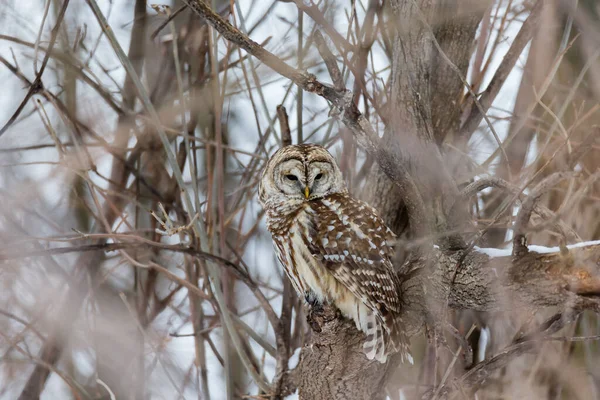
(385, 337)
(375, 342)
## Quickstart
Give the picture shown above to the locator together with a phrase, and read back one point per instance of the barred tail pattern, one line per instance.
(375, 342)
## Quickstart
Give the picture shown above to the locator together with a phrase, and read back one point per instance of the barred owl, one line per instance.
(334, 249)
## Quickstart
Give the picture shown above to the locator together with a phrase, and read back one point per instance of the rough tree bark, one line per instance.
(423, 83)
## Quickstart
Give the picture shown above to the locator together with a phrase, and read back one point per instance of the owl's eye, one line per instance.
(319, 176)
(291, 177)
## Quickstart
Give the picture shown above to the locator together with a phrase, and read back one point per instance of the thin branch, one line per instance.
(19, 253)
(330, 61)
(312, 10)
(300, 93)
(499, 183)
(170, 17)
(504, 69)
(521, 345)
(519, 240)
(284, 126)
(37, 85)
(586, 145)
(304, 80)
(28, 325)
(524, 116)
(39, 36)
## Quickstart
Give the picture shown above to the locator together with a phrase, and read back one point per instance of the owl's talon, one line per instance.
(315, 321)
(313, 302)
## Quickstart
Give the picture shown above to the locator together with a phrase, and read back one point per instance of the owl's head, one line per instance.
(300, 173)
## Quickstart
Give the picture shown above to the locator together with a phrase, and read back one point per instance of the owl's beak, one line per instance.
(306, 192)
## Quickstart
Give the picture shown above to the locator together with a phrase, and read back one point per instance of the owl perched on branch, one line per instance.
(334, 248)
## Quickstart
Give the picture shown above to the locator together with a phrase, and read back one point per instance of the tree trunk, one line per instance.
(418, 121)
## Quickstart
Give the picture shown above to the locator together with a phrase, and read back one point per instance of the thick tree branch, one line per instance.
(536, 280)
(333, 363)
(482, 283)
(455, 26)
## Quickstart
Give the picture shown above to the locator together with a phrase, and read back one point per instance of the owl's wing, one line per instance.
(354, 244)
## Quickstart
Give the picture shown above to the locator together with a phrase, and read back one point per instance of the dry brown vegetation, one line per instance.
(134, 261)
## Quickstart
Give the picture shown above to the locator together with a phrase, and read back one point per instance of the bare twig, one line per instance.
(312, 10)
(169, 18)
(499, 183)
(586, 145)
(284, 126)
(37, 84)
(330, 62)
(504, 69)
(20, 320)
(475, 377)
(300, 93)
(519, 240)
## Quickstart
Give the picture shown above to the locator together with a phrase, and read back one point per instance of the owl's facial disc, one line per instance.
(297, 174)
(321, 179)
(290, 178)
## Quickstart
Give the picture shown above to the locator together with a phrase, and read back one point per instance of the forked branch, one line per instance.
(519, 240)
